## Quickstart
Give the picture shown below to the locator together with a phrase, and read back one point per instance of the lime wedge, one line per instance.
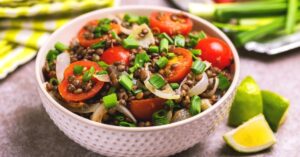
(275, 108)
(247, 102)
(252, 136)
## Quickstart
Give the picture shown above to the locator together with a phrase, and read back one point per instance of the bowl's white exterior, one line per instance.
(120, 141)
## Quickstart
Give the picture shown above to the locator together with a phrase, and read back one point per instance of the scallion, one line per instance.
(78, 69)
(160, 117)
(195, 107)
(196, 52)
(126, 124)
(141, 58)
(103, 72)
(171, 55)
(126, 82)
(60, 47)
(166, 36)
(291, 16)
(162, 62)
(223, 82)
(102, 64)
(179, 41)
(157, 81)
(53, 81)
(100, 44)
(164, 45)
(130, 43)
(174, 85)
(115, 35)
(170, 103)
(198, 67)
(110, 100)
(52, 55)
(135, 92)
(111, 90)
(88, 74)
(153, 49)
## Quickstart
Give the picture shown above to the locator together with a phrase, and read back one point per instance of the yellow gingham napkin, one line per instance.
(26, 25)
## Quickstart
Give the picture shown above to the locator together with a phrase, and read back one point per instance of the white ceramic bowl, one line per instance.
(121, 141)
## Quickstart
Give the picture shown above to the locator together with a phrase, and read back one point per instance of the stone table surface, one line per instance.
(26, 130)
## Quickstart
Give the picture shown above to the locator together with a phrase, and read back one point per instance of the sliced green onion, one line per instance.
(130, 43)
(126, 124)
(52, 55)
(104, 21)
(110, 100)
(97, 34)
(171, 55)
(157, 81)
(143, 19)
(165, 35)
(199, 35)
(195, 107)
(223, 82)
(118, 117)
(153, 49)
(111, 90)
(162, 62)
(192, 43)
(78, 69)
(103, 72)
(291, 16)
(170, 103)
(174, 85)
(53, 81)
(60, 47)
(105, 28)
(160, 117)
(88, 74)
(135, 92)
(133, 68)
(115, 35)
(141, 59)
(126, 82)
(102, 64)
(100, 44)
(198, 67)
(130, 18)
(179, 41)
(164, 45)
(196, 52)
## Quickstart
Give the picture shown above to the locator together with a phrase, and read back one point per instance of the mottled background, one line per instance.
(27, 131)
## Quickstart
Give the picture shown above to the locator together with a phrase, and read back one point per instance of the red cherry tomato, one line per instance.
(215, 51)
(62, 87)
(88, 42)
(170, 23)
(115, 54)
(183, 60)
(143, 109)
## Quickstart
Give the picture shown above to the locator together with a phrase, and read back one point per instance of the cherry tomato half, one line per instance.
(115, 54)
(183, 62)
(88, 42)
(171, 23)
(143, 109)
(215, 51)
(68, 96)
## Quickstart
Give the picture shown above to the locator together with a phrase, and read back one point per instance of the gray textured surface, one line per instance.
(26, 130)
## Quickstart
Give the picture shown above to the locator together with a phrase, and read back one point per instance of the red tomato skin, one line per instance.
(114, 54)
(215, 51)
(71, 97)
(168, 26)
(143, 109)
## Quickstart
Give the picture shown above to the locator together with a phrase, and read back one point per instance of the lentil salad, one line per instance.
(138, 71)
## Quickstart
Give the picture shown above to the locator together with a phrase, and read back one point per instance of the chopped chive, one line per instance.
(164, 45)
(198, 67)
(195, 107)
(118, 117)
(143, 19)
(192, 43)
(291, 16)
(162, 62)
(53, 81)
(160, 117)
(126, 124)
(134, 68)
(110, 100)
(100, 44)
(130, 18)
(103, 72)
(115, 35)
(97, 35)
(223, 82)
(126, 82)
(170, 103)
(179, 41)
(78, 69)
(166, 36)
(130, 43)
(60, 47)
(102, 64)
(153, 49)
(52, 55)
(88, 74)
(174, 85)
(196, 52)
(104, 21)
(198, 36)
(171, 55)
(141, 59)
(135, 92)
(111, 90)
(157, 81)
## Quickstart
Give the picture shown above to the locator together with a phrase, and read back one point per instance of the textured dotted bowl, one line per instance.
(128, 142)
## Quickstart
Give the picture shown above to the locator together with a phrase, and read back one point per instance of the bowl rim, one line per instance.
(38, 70)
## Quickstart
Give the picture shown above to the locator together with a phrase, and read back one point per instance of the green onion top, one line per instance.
(52, 55)
(130, 43)
(126, 124)
(198, 67)
(53, 81)
(88, 74)
(195, 107)
(174, 85)
(223, 82)
(103, 72)
(104, 21)
(141, 59)
(135, 92)
(136, 19)
(111, 90)
(166, 36)
(160, 117)
(110, 101)
(126, 82)
(153, 49)
(162, 62)
(78, 69)
(102, 64)
(60, 47)
(196, 52)
(179, 41)
(164, 45)
(100, 44)
(171, 55)
(170, 103)
(157, 81)
(115, 35)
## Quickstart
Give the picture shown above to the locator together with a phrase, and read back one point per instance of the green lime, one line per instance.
(275, 108)
(247, 102)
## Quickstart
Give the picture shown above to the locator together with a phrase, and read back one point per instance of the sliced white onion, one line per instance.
(200, 86)
(145, 41)
(170, 115)
(86, 108)
(126, 112)
(180, 115)
(213, 91)
(102, 77)
(208, 64)
(97, 116)
(118, 19)
(62, 62)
